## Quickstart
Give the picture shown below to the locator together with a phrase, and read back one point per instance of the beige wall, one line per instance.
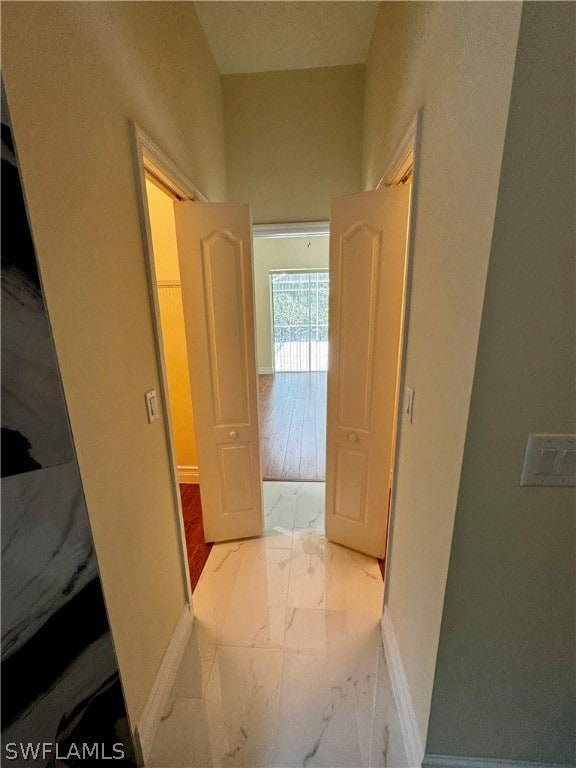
(280, 253)
(293, 140)
(75, 74)
(163, 230)
(456, 61)
(504, 682)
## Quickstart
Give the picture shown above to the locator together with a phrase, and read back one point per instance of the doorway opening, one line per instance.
(180, 401)
(352, 460)
(291, 280)
(160, 183)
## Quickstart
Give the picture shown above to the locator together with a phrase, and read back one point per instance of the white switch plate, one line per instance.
(550, 460)
(409, 404)
(152, 406)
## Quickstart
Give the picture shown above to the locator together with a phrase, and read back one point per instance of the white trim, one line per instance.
(299, 270)
(414, 134)
(265, 369)
(148, 155)
(188, 473)
(164, 169)
(145, 731)
(413, 744)
(402, 157)
(292, 229)
(452, 761)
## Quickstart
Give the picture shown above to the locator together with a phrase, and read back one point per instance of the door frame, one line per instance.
(291, 229)
(404, 164)
(149, 158)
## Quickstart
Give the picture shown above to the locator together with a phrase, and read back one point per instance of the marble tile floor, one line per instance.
(285, 666)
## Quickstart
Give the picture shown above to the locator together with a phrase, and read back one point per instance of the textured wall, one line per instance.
(75, 75)
(455, 60)
(504, 683)
(293, 140)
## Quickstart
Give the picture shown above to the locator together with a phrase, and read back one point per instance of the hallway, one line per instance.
(285, 665)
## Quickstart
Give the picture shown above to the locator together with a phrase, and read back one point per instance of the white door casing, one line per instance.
(215, 254)
(368, 236)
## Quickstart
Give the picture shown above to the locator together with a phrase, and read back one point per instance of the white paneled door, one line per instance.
(368, 234)
(215, 253)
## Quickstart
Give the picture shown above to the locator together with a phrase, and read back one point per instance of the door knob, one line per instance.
(352, 437)
(233, 435)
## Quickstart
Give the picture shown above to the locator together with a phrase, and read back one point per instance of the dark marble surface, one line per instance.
(62, 702)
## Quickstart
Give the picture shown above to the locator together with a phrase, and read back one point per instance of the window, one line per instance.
(300, 320)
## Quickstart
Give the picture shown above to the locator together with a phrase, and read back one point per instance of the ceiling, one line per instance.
(269, 36)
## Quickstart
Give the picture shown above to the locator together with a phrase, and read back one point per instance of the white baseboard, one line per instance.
(265, 369)
(413, 744)
(154, 709)
(188, 474)
(453, 761)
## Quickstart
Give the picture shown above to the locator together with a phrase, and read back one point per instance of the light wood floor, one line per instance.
(293, 426)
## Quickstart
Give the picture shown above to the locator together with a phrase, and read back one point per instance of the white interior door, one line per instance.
(368, 234)
(215, 253)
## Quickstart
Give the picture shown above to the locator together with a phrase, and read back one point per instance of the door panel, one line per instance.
(358, 277)
(351, 476)
(215, 253)
(367, 260)
(224, 299)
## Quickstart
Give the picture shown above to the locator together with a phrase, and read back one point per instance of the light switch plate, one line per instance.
(152, 405)
(550, 460)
